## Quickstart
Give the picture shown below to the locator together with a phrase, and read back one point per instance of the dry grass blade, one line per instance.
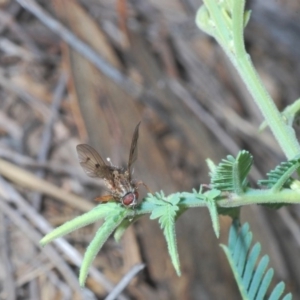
(125, 281)
(28, 180)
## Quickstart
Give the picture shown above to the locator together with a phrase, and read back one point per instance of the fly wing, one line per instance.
(92, 163)
(133, 154)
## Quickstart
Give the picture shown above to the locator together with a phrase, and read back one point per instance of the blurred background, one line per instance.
(87, 71)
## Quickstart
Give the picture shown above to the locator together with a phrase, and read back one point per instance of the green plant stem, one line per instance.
(220, 24)
(225, 22)
(294, 107)
(283, 133)
(253, 196)
(238, 27)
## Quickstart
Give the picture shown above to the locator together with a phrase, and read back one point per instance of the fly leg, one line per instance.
(145, 185)
(105, 199)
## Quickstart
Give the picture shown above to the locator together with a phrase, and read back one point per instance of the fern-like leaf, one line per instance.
(103, 233)
(251, 276)
(167, 211)
(210, 199)
(120, 230)
(97, 213)
(280, 177)
(114, 215)
(231, 173)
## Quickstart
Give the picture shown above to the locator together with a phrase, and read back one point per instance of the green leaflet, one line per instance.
(251, 275)
(97, 213)
(210, 199)
(231, 173)
(103, 233)
(113, 213)
(280, 177)
(121, 229)
(166, 213)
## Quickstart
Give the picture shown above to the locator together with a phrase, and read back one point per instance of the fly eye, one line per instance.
(128, 199)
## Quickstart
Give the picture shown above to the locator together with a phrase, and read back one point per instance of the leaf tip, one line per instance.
(43, 242)
(82, 278)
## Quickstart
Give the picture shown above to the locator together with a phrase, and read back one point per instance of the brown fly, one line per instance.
(118, 180)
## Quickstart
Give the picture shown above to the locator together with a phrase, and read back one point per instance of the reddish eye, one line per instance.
(128, 199)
